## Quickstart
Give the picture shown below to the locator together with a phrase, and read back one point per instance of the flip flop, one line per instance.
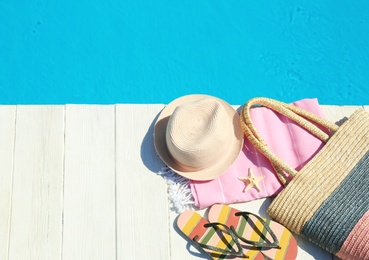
(271, 238)
(215, 239)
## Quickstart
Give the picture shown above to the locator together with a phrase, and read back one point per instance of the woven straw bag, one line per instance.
(327, 201)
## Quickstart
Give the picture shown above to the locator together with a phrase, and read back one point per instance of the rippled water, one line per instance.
(138, 51)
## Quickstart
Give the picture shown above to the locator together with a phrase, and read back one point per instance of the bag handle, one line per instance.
(294, 113)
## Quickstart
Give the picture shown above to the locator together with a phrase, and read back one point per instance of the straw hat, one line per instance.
(198, 136)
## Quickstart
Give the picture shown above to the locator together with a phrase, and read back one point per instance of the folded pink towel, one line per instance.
(285, 138)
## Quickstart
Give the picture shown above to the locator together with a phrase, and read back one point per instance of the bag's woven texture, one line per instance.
(328, 199)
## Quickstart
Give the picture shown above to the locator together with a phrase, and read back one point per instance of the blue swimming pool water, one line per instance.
(135, 51)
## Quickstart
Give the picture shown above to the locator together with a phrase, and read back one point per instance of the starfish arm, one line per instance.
(256, 185)
(247, 188)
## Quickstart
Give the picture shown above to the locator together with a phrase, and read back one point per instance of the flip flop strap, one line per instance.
(274, 244)
(227, 230)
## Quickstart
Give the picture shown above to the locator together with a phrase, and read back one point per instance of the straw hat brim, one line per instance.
(204, 174)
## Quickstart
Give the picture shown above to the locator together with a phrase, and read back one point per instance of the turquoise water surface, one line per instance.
(135, 51)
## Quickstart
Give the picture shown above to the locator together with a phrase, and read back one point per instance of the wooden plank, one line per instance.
(89, 183)
(115, 206)
(7, 134)
(338, 114)
(36, 217)
(366, 108)
(142, 203)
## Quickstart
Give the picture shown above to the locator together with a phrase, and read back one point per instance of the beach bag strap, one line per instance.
(305, 119)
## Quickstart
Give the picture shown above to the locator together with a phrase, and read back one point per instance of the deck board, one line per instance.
(7, 135)
(142, 207)
(80, 182)
(36, 210)
(89, 183)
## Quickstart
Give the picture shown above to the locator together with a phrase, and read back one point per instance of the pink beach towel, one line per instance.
(285, 138)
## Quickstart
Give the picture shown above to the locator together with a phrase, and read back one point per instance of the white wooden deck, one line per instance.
(80, 182)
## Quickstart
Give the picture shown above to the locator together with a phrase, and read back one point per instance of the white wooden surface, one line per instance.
(80, 182)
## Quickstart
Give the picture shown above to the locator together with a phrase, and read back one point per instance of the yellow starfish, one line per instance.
(251, 181)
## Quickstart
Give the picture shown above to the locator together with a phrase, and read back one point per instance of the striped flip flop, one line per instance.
(256, 233)
(216, 239)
